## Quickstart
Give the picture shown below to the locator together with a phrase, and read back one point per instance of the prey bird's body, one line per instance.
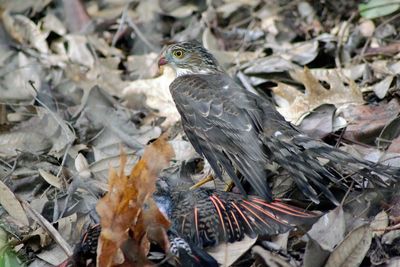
(204, 218)
(238, 131)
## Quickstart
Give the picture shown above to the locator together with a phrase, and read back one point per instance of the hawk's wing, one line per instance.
(232, 127)
(224, 124)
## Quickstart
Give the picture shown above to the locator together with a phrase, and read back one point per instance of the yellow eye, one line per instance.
(178, 53)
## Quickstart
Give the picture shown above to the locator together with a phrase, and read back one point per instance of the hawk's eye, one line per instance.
(178, 53)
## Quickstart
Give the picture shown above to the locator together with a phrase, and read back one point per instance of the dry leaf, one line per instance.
(227, 253)
(334, 221)
(301, 52)
(352, 250)
(9, 202)
(315, 255)
(82, 166)
(17, 73)
(157, 95)
(294, 105)
(53, 256)
(51, 179)
(48, 227)
(78, 51)
(352, 72)
(25, 31)
(382, 87)
(270, 258)
(367, 122)
(379, 224)
(128, 205)
(319, 123)
(269, 64)
(391, 237)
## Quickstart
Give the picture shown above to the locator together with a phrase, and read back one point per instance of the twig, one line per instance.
(243, 79)
(48, 227)
(140, 34)
(12, 168)
(120, 26)
(338, 61)
(389, 228)
(66, 131)
(340, 137)
(347, 193)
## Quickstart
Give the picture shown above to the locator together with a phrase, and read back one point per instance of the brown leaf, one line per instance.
(353, 249)
(366, 122)
(25, 31)
(294, 105)
(157, 94)
(228, 253)
(334, 221)
(128, 205)
(10, 203)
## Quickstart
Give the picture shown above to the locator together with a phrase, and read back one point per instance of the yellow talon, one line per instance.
(229, 186)
(209, 178)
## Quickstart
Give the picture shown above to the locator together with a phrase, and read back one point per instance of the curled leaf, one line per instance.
(129, 206)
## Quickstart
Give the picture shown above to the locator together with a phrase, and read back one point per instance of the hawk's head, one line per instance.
(189, 58)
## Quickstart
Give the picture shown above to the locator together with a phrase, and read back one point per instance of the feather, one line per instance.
(208, 217)
(238, 131)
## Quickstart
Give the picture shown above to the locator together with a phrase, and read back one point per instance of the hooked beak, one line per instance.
(162, 61)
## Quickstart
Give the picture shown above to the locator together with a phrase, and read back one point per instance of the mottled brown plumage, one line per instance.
(236, 130)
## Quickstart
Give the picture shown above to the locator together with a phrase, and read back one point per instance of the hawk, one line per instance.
(239, 132)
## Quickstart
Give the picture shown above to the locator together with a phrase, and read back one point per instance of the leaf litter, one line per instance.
(78, 79)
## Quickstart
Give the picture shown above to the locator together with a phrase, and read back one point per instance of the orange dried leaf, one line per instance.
(129, 205)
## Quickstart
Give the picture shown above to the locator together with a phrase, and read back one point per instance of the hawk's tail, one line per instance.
(313, 164)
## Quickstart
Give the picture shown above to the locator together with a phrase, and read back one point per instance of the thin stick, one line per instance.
(141, 35)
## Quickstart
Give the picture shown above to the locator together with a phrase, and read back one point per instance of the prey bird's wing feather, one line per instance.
(217, 216)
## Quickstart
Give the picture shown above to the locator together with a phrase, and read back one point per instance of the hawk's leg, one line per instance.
(229, 186)
(203, 181)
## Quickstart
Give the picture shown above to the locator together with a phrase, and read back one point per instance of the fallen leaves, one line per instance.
(227, 254)
(49, 228)
(10, 203)
(128, 205)
(157, 95)
(366, 122)
(353, 249)
(8, 257)
(25, 31)
(294, 105)
(64, 148)
(45, 131)
(334, 221)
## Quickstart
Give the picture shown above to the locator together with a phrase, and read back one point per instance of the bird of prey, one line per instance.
(239, 132)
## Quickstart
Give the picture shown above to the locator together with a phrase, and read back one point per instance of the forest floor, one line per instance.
(79, 83)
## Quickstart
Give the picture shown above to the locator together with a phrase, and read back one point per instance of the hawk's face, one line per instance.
(189, 58)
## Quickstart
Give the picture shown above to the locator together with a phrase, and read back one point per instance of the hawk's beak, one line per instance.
(162, 61)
